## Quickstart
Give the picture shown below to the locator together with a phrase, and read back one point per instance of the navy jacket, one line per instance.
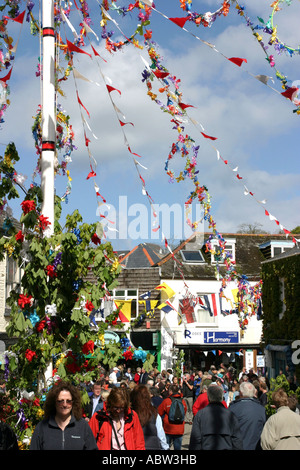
(76, 436)
(251, 415)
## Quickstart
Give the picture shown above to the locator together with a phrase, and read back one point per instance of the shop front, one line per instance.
(203, 348)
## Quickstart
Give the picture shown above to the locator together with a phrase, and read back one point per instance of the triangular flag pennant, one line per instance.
(208, 136)
(79, 101)
(73, 48)
(125, 310)
(183, 106)
(160, 74)
(237, 61)
(166, 307)
(18, 19)
(179, 21)
(7, 77)
(111, 88)
(290, 92)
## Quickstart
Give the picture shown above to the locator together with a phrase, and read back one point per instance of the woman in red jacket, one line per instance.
(117, 427)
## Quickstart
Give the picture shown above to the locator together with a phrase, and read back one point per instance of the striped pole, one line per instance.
(48, 114)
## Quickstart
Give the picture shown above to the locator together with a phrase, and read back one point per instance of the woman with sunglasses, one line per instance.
(117, 427)
(63, 427)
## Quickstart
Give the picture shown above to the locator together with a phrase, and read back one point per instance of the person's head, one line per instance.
(214, 394)
(140, 400)
(150, 382)
(280, 398)
(117, 402)
(173, 389)
(293, 402)
(247, 390)
(140, 396)
(263, 386)
(63, 399)
(97, 387)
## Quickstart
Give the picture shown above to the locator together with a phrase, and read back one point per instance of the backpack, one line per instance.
(176, 413)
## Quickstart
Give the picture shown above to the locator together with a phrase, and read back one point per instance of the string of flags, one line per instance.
(185, 145)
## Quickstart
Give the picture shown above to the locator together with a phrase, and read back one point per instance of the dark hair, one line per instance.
(118, 396)
(141, 403)
(174, 389)
(50, 403)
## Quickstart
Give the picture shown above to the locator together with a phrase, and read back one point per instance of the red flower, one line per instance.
(40, 325)
(50, 271)
(28, 206)
(19, 236)
(89, 306)
(24, 300)
(88, 347)
(30, 355)
(128, 355)
(44, 222)
(96, 239)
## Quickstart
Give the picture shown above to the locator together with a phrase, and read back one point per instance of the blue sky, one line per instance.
(255, 126)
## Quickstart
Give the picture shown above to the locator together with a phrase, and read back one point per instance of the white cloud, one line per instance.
(255, 126)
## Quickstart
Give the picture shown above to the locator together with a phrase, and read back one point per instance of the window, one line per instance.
(13, 275)
(217, 254)
(275, 247)
(206, 309)
(120, 294)
(192, 256)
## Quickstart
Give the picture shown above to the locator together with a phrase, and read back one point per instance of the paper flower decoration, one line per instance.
(140, 354)
(28, 206)
(128, 355)
(30, 355)
(24, 300)
(34, 318)
(88, 347)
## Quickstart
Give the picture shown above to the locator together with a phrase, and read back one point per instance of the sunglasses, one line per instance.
(62, 402)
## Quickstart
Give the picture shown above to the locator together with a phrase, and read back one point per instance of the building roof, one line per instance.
(144, 255)
(248, 257)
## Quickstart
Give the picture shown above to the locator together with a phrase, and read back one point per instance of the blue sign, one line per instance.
(221, 337)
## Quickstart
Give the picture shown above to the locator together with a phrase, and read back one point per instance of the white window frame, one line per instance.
(215, 244)
(212, 321)
(283, 247)
(122, 294)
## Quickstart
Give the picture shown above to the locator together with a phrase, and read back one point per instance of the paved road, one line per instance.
(186, 437)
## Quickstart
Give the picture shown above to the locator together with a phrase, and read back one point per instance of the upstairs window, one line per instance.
(218, 254)
(189, 256)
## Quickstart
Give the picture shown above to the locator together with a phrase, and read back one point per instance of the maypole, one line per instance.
(48, 128)
(48, 114)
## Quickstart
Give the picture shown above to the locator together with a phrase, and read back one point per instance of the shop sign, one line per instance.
(221, 337)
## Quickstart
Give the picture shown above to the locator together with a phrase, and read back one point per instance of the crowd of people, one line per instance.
(139, 410)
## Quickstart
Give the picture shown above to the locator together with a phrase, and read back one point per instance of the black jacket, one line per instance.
(76, 436)
(215, 428)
